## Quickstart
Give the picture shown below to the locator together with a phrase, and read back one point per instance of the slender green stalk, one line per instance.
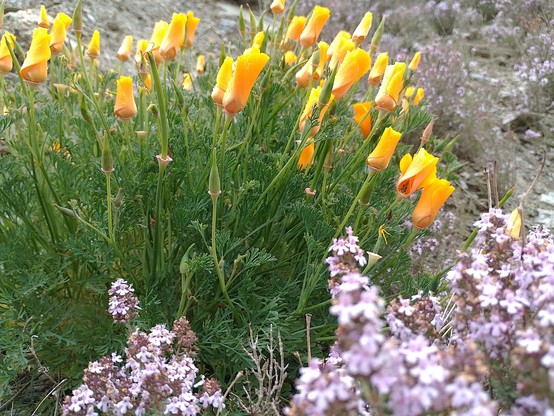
(109, 206)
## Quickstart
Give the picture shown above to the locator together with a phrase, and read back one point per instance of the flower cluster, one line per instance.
(156, 374)
(123, 304)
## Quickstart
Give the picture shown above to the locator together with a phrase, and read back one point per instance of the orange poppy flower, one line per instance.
(356, 63)
(380, 157)
(307, 155)
(389, 93)
(174, 37)
(431, 200)
(223, 77)
(158, 35)
(125, 106)
(362, 30)
(314, 26)
(35, 68)
(58, 32)
(192, 24)
(6, 63)
(296, 27)
(200, 64)
(277, 7)
(415, 62)
(376, 73)
(126, 48)
(362, 117)
(313, 100)
(93, 50)
(43, 22)
(417, 172)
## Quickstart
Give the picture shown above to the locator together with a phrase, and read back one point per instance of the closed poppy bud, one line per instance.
(341, 49)
(341, 35)
(415, 62)
(307, 155)
(296, 27)
(314, 26)
(304, 75)
(174, 37)
(43, 21)
(124, 52)
(417, 172)
(380, 157)
(78, 18)
(247, 70)
(356, 63)
(419, 96)
(379, 67)
(125, 107)
(192, 24)
(187, 82)
(93, 50)
(362, 30)
(200, 64)
(409, 92)
(35, 68)
(158, 35)
(389, 93)
(277, 6)
(6, 63)
(223, 77)
(432, 199)
(362, 117)
(58, 32)
(290, 58)
(142, 46)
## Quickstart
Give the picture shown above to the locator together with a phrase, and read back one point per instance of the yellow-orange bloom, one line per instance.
(514, 224)
(147, 79)
(187, 82)
(6, 63)
(200, 64)
(248, 68)
(256, 43)
(93, 50)
(125, 107)
(58, 32)
(308, 110)
(296, 27)
(341, 35)
(356, 63)
(174, 37)
(380, 157)
(43, 21)
(192, 24)
(278, 6)
(307, 155)
(35, 67)
(126, 48)
(223, 77)
(158, 35)
(376, 73)
(342, 47)
(389, 93)
(312, 69)
(420, 93)
(362, 117)
(314, 26)
(362, 30)
(417, 172)
(432, 199)
(142, 46)
(415, 62)
(290, 58)
(409, 92)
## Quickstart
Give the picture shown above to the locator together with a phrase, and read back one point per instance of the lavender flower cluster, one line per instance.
(157, 374)
(449, 355)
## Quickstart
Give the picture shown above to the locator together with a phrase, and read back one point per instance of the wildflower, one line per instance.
(223, 77)
(376, 73)
(123, 304)
(420, 93)
(313, 69)
(44, 21)
(200, 64)
(314, 26)
(363, 117)
(278, 6)
(142, 47)
(290, 58)
(362, 29)
(124, 52)
(295, 28)
(409, 92)
(417, 172)
(187, 82)
(307, 155)
(125, 107)
(432, 199)
(93, 50)
(158, 35)
(393, 80)
(356, 63)
(256, 42)
(6, 63)
(174, 37)
(58, 32)
(380, 157)
(35, 69)
(248, 68)
(308, 110)
(192, 24)
(415, 62)
(341, 35)
(342, 47)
